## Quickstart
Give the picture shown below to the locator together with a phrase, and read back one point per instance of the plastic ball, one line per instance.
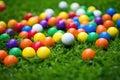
(74, 6)
(28, 52)
(43, 52)
(2, 7)
(80, 30)
(37, 45)
(73, 31)
(24, 22)
(97, 13)
(23, 34)
(80, 12)
(71, 25)
(52, 31)
(31, 33)
(63, 5)
(116, 17)
(92, 23)
(25, 43)
(28, 15)
(10, 31)
(26, 28)
(83, 18)
(4, 37)
(10, 60)
(44, 23)
(2, 3)
(15, 51)
(43, 16)
(91, 8)
(91, 18)
(118, 23)
(49, 11)
(100, 28)
(39, 37)
(90, 28)
(12, 43)
(32, 21)
(63, 15)
(98, 20)
(57, 36)
(3, 54)
(88, 54)
(92, 37)
(12, 23)
(89, 13)
(111, 11)
(101, 43)
(18, 27)
(71, 14)
(113, 31)
(37, 27)
(52, 21)
(108, 23)
(2, 23)
(68, 39)
(48, 41)
(61, 31)
(82, 36)
(61, 25)
(105, 35)
(106, 17)
(2, 29)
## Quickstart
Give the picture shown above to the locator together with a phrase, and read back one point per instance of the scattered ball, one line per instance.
(15, 51)
(3, 54)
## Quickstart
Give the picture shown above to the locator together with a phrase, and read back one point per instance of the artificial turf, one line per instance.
(65, 63)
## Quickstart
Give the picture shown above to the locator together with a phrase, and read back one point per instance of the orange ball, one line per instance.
(2, 29)
(25, 43)
(84, 22)
(100, 28)
(52, 21)
(24, 22)
(106, 17)
(101, 43)
(10, 60)
(3, 54)
(88, 54)
(23, 34)
(12, 23)
(48, 41)
(69, 21)
(73, 31)
(108, 23)
(80, 30)
(37, 17)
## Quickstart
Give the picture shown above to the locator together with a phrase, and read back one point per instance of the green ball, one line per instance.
(92, 37)
(52, 31)
(61, 31)
(83, 7)
(92, 18)
(92, 23)
(89, 13)
(4, 37)
(15, 51)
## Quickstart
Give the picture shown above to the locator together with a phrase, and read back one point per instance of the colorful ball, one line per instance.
(4, 37)
(15, 51)
(74, 6)
(44, 23)
(116, 17)
(52, 21)
(43, 52)
(28, 15)
(2, 23)
(48, 41)
(111, 11)
(18, 27)
(105, 35)
(63, 15)
(49, 11)
(73, 31)
(98, 20)
(80, 30)
(80, 12)
(23, 34)
(26, 28)
(91, 8)
(31, 33)
(12, 23)
(3, 54)
(10, 31)
(37, 27)
(63, 5)
(12, 43)
(82, 36)
(52, 31)
(61, 25)
(90, 28)
(39, 37)
(106, 17)
(71, 25)
(92, 37)
(2, 29)
(32, 21)
(71, 14)
(57, 36)
(25, 43)
(100, 28)
(113, 31)
(118, 23)
(37, 45)
(2, 7)
(89, 13)
(108, 23)
(42, 16)
(83, 18)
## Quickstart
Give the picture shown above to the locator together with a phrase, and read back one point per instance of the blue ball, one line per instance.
(77, 23)
(90, 28)
(82, 26)
(75, 19)
(105, 35)
(118, 23)
(111, 11)
(26, 28)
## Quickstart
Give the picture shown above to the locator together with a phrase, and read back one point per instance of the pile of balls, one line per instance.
(2, 6)
(37, 33)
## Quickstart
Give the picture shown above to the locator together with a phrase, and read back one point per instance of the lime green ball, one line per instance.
(52, 31)
(15, 51)
(92, 37)
(4, 37)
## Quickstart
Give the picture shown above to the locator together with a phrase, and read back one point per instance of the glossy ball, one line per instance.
(63, 5)
(42, 16)
(92, 37)
(108, 23)
(83, 18)
(39, 37)
(71, 14)
(37, 45)
(61, 25)
(57, 36)
(18, 27)
(74, 6)
(52, 31)
(28, 15)
(113, 31)
(116, 17)
(43, 52)
(98, 20)
(105, 35)
(32, 21)
(2, 7)
(31, 33)
(111, 11)
(24, 22)
(4, 37)
(15, 51)
(71, 25)
(44, 23)
(10, 31)
(12, 43)
(91, 8)
(100, 28)
(48, 41)
(80, 12)
(63, 15)
(90, 28)
(25, 43)
(2, 29)
(49, 11)
(2, 23)
(37, 27)
(82, 36)
(97, 13)
(80, 30)
(28, 52)
(23, 34)
(12, 23)
(52, 21)
(26, 28)
(106, 17)
(88, 54)
(3, 54)
(118, 23)
(73, 31)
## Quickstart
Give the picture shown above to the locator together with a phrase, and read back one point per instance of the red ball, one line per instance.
(18, 27)
(71, 25)
(28, 15)
(2, 8)
(37, 45)
(31, 33)
(71, 14)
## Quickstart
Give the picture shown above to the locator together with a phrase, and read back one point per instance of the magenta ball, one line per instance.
(44, 23)
(12, 43)
(61, 25)
(98, 20)
(11, 32)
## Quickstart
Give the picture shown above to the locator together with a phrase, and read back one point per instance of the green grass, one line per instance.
(65, 63)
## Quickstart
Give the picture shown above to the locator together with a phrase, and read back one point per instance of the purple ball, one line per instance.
(12, 43)
(44, 23)
(98, 20)
(48, 17)
(11, 32)
(61, 25)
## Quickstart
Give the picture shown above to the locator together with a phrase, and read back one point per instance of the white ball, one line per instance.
(97, 13)
(74, 6)
(68, 39)
(80, 12)
(37, 27)
(63, 5)
(49, 11)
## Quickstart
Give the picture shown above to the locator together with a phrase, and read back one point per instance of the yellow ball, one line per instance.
(43, 16)
(57, 36)
(83, 18)
(28, 52)
(91, 8)
(2, 3)
(2, 23)
(113, 31)
(115, 17)
(63, 15)
(32, 21)
(39, 37)
(43, 52)
(82, 36)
